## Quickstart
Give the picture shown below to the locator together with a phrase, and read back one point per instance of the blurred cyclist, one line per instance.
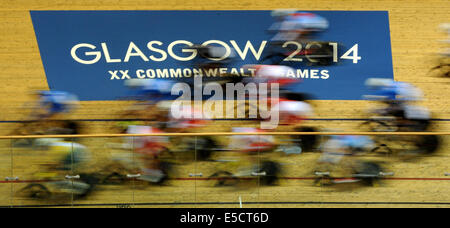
(336, 148)
(271, 74)
(251, 144)
(63, 157)
(339, 166)
(212, 56)
(191, 119)
(390, 90)
(398, 96)
(149, 149)
(150, 91)
(292, 106)
(51, 103)
(66, 155)
(251, 148)
(296, 26)
(151, 96)
(49, 106)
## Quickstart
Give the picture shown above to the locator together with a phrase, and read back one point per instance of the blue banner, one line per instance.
(91, 53)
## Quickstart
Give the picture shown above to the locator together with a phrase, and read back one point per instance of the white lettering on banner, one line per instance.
(175, 73)
(187, 73)
(114, 75)
(124, 74)
(107, 56)
(133, 50)
(172, 73)
(223, 71)
(170, 50)
(303, 73)
(234, 72)
(162, 73)
(137, 52)
(325, 74)
(290, 74)
(248, 45)
(150, 73)
(151, 48)
(97, 54)
(227, 49)
(335, 51)
(308, 46)
(355, 56)
(291, 58)
(139, 74)
(314, 74)
(211, 72)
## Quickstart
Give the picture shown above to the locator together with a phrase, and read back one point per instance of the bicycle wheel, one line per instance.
(36, 191)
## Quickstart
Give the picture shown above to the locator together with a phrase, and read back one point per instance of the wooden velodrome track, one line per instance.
(414, 36)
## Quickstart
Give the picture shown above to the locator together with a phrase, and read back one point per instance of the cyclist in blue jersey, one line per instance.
(51, 103)
(151, 96)
(399, 98)
(390, 90)
(47, 116)
(151, 91)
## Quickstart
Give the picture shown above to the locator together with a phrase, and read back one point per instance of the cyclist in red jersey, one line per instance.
(149, 149)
